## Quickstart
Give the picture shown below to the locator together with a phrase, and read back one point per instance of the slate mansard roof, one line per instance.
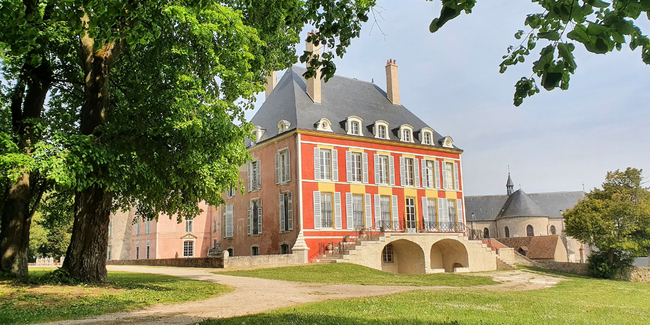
(520, 204)
(341, 98)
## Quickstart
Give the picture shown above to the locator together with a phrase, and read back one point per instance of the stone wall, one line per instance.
(263, 261)
(507, 255)
(637, 274)
(565, 267)
(209, 262)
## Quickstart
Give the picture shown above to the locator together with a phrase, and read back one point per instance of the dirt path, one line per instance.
(252, 295)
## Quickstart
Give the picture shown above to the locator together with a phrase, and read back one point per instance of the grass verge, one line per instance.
(29, 303)
(337, 273)
(577, 300)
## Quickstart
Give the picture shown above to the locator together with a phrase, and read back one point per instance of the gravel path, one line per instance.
(253, 295)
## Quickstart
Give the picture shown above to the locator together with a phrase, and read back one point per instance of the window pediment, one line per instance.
(324, 124)
(447, 142)
(283, 126)
(381, 129)
(189, 236)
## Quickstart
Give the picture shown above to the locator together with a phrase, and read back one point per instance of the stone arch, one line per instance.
(486, 232)
(530, 232)
(448, 254)
(407, 258)
(507, 231)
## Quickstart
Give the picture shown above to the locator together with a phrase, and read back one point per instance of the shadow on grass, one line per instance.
(293, 318)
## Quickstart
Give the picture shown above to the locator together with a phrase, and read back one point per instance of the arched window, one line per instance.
(552, 230)
(486, 233)
(427, 138)
(507, 231)
(381, 131)
(387, 253)
(406, 135)
(529, 231)
(355, 127)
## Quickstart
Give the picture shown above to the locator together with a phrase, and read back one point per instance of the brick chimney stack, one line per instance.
(392, 82)
(314, 83)
(271, 82)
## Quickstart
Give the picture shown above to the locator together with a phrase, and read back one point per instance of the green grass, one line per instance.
(345, 273)
(578, 300)
(29, 303)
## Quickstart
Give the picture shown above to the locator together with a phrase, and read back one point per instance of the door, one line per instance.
(410, 215)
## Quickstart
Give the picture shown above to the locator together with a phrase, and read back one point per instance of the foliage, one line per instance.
(575, 300)
(598, 25)
(356, 274)
(615, 220)
(51, 228)
(600, 267)
(46, 299)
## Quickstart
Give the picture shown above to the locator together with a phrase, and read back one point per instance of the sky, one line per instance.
(555, 141)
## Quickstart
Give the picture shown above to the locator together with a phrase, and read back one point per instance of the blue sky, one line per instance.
(555, 141)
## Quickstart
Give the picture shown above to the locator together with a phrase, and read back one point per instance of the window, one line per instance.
(110, 229)
(452, 210)
(381, 131)
(286, 212)
(428, 177)
(382, 172)
(354, 125)
(410, 214)
(137, 227)
(188, 248)
(406, 135)
(255, 217)
(450, 175)
(552, 230)
(283, 126)
(529, 231)
(282, 167)
(284, 249)
(108, 254)
(447, 142)
(355, 167)
(507, 231)
(254, 177)
(387, 254)
(324, 125)
(384, 202)
(429, 216)
(326, 210)
(255, 250)
(486, 233)
(325, 164)
(137, 251)
(147, 227)
(231, 251)
(357, 211)
(427, 138)
(409, 177)
(231, 192)
(214, 243)
(229, 222)
(188, 225)
(147, 251)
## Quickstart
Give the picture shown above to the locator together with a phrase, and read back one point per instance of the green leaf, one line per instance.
(550, 35)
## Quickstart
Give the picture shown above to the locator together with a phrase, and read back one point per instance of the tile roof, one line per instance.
(519, 204)
(538, 247)
(488, 207)
(341, 97)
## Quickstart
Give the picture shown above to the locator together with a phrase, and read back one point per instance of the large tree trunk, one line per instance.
(16, 221)
(86, 255)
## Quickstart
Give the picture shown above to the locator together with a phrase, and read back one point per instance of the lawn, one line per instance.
(577, 300)
(346, 273)
(30, 303)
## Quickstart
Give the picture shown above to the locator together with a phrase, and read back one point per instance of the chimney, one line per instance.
(392, 82)
(314, 83)
(271, 82)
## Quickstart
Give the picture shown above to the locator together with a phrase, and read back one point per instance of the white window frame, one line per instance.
(283, 126)
(402, 129)
(358, 209)
(283, 166)
(254, 175)
(378, 124)
(147, 226)
(350, 125)
(231, 192)
(229, 222)
(324, 224)
(447, 142)
(325, 164)
(189, 225)
(324, 124)
(409, 176)
(185, 250)
(137, 227)
(423, 136)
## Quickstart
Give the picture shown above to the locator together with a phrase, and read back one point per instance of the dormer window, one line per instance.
(324, 125)
(406, 133)
(447, 142)
(283, 126)
(354, 125)
(426, 136)
(381, 129)
(258, 132)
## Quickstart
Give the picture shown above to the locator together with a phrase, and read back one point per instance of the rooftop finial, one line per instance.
(509, 184)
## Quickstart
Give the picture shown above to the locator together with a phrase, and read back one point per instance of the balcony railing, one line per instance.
(388, 225)
(432, 226)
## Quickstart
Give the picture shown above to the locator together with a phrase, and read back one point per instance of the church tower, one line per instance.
(509, 185)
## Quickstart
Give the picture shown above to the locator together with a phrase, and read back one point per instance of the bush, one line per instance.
(600, 267)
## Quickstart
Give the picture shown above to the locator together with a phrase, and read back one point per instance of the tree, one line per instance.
(599, 26)
(151, 115)
(615, 220)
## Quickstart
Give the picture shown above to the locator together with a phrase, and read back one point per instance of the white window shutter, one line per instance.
(416, 172)
(348, 210)
(365, 168)
(278, 180)
(316, 163)
(259, 216)
(459, 212)
(376, 160)
(317, 222)
(290, 211)
(441, 212)
(250, 217)
(224, 229)
(348, 166)
(287, 169)
(391, 171)
(445, 211)
(395, 212)
(425, 212)
(425, 178)
(456, 179)
(259, 175)
(337, 211)
(368, 211)
(401, 171)
(250, 176)
(281, 214)
(230, 218)
(445, 181)
(377, 209)
(436, 170)
(335, 165)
